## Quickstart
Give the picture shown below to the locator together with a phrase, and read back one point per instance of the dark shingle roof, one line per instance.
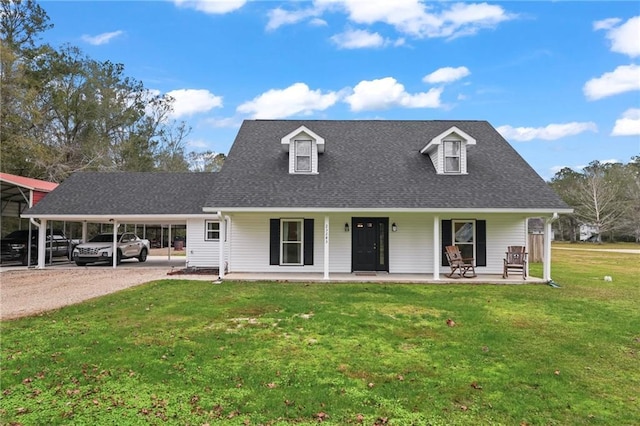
(376, 164)
(126, 193)
(366, 164)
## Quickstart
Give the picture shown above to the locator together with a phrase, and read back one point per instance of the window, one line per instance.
(303, 156)
(452, 156)
(212, 230)
(291, 242)
(464, 237)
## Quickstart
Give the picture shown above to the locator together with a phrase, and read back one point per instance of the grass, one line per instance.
(192, 353)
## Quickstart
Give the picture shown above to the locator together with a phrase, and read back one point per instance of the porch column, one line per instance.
(114, 257)
(546, 261)
(326, 247)
(221, 245)
(436, 248)
(42, 243)
(84, 231)
(169, 245)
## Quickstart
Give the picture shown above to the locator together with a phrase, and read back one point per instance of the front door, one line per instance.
(370, 251)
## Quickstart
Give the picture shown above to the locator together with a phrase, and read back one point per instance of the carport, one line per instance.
(117, 198)
(19, 193)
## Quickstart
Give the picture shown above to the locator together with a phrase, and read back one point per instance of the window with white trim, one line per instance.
(212, 230)
(303, 155)
(291, 242)
(452, 157)
(464, 233)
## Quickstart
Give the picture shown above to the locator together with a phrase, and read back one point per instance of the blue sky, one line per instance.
(560, 80)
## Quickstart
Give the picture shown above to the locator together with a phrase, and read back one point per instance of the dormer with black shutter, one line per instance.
(448, 151)
(303, 146)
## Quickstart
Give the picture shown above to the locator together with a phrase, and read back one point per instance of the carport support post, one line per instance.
(84, 231)
(169, 245)
(436, 248)
(114, 252)
(42, 238)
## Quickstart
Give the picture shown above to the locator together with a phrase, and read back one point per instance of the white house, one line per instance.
(323, 196)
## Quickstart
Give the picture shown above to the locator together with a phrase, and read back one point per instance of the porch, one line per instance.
(379, 277)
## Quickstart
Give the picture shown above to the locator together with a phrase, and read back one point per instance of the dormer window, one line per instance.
(448, 151)
(303, 146)
(303, 155)
(452, 156)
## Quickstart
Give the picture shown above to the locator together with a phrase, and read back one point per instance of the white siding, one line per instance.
(249, 249)
(502, 230)
(201, 253)
(410, 248)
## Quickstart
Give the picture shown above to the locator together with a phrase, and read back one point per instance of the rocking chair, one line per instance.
(515, 260)
(460, 266)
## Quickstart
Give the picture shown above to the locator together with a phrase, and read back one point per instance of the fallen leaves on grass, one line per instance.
(322, 416)
(450, 322)
(475, 385)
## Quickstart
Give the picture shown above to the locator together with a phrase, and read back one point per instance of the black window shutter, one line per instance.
(308, 241)
(274, 242)
(481, 243)
(447, 238)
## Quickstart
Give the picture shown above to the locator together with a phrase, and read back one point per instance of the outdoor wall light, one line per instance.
(394, 227)
(346, 227)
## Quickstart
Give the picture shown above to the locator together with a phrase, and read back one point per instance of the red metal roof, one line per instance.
(29, 183)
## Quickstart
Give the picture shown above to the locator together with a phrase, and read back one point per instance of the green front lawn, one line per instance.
(189, 352)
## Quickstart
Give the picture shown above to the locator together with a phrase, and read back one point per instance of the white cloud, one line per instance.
(446, 75)
(103, 38)
(279, 17)
(386, 93)
(628, 124)
(213, 7)
(548, 133)
(193, 101)
(624, 38)
(232, 122)
(358, 39)
(198, 143)
(606, 24)
(295, 99)
(411, 17)
(624, 78)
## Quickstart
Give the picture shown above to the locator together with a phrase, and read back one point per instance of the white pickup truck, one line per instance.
(100, 249)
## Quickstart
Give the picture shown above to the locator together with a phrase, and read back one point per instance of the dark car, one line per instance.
(15, 247)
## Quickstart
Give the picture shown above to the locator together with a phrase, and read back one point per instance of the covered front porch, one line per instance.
(379, 277)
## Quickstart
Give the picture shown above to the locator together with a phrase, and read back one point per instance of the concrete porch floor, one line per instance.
(379, 277)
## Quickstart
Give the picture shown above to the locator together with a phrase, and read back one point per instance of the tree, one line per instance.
(631, 220)
(565, 184)
(598, 201)
(21, 22)
(172, 155)
(207, 161)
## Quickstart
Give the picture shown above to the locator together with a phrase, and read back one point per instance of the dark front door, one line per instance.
(370, 251)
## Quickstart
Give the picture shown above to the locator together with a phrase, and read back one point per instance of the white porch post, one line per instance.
(326, 247)
(526, 242)
(436, 248)
(169, 245)
(546, 261)
(114, 256)
(84, 231)
(42, 241)
(221, 242)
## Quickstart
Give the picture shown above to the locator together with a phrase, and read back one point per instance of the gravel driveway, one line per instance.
(28, 292)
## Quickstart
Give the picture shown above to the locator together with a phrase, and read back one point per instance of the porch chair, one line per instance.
(460, 266)
(515, 260)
